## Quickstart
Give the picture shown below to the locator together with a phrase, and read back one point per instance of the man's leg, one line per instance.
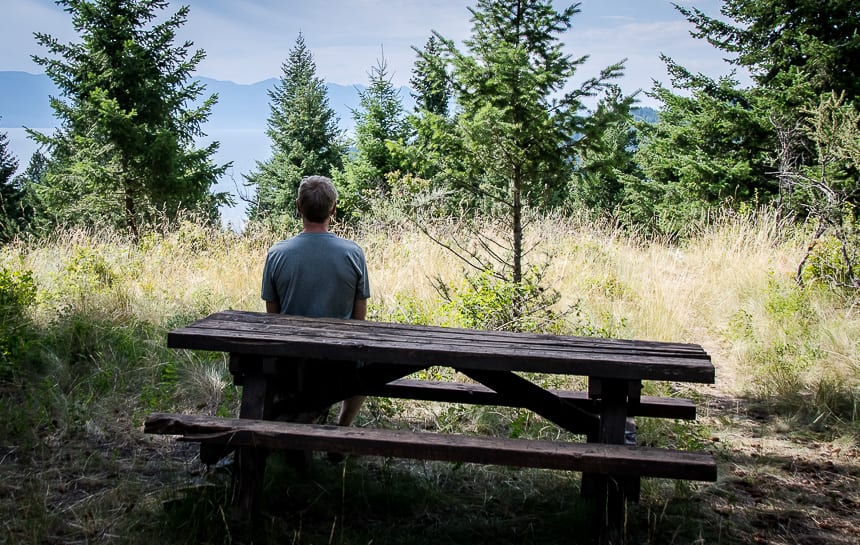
(349, 409)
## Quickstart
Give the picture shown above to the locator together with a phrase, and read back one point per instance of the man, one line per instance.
(317, 273)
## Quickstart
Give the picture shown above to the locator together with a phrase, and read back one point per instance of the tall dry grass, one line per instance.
(729, 288)
(97, 360)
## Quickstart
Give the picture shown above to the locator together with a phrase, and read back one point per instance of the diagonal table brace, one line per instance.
(540, 401)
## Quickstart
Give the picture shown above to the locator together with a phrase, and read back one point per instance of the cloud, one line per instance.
(247, 41)
(346, 37)
(641, 43)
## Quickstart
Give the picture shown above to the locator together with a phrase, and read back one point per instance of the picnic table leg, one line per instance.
(251, 461)
(613, 419)
(610, 492)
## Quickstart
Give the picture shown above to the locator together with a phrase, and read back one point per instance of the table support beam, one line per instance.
(533, 397)
(251, 461)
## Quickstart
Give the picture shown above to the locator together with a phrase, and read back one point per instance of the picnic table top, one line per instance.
(274, 335)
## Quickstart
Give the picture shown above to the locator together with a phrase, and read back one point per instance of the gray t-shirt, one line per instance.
(316, 275)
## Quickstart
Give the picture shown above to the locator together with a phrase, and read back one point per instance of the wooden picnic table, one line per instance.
(290, 364)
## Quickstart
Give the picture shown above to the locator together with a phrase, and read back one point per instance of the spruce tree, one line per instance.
(305, 137)
(602, 166)
(712, 146)
(379, 124)
(520, 129)
(8, 162)
(718, 144)
(10, 193)
(429, 155)
(799, 54)
(778, 40)
(379, 119)
(431, 86)
(125, 152)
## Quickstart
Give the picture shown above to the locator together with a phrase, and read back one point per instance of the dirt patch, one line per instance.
(779, 484)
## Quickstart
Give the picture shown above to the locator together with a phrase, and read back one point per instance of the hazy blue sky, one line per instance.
(246, 41)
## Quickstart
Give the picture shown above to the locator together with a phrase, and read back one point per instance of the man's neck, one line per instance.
(311, 227)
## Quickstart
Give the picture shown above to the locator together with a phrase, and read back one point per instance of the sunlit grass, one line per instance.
(730, 288)
(97, 361)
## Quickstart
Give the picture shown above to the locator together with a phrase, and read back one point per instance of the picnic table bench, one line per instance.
(290, 364)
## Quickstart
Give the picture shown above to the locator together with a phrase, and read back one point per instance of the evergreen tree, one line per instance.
(430, 82)
(379, 119)
(833, 254)
(29, 183)
(518, 128)
(598, 182)
(716, 143)
(124, 150)
(712, 145)
(8, 162)
(304, 133)
(10, 193)
(379, 126)
(777, 40)
(798, 54)
(429, 153)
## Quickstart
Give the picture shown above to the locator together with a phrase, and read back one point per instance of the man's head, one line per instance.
(317, 198)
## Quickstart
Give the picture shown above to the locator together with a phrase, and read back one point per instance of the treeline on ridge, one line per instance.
(497, 130)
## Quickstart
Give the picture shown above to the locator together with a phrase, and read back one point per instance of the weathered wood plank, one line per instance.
(478, 394)
(345, 340)
(275, 322)
(289, 325)
(368, 339)
(536, 399)
(601, 459)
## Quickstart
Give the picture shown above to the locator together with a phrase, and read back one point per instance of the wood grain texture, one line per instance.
(333, 339)
(619, 460)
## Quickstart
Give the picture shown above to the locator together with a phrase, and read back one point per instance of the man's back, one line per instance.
(316, 275)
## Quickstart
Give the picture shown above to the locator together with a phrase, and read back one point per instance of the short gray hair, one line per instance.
(317, 198)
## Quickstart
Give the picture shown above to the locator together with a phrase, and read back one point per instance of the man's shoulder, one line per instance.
(313, 241)
(348, 243)
(281, 245)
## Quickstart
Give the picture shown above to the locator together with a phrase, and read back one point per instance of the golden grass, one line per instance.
(83, 473)
(730, 288)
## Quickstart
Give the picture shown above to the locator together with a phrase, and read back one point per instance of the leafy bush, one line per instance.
(832, 261)
(17, 293)
(87, 270)
(404, 309)
(786, 348)
(486, 301)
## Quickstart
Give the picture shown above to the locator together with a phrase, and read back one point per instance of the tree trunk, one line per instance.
(130, 212)
(518, 226)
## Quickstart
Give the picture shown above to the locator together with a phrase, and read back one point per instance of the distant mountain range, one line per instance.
(238, 122)
(24, 102)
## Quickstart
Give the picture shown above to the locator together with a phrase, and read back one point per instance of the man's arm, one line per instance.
(273, 307)
(359, 309)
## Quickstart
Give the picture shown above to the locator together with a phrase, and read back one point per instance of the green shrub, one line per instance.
(826, 262)
(86, 275)
(89, 268)
(485, 301)
(17, 294)
(405, 310)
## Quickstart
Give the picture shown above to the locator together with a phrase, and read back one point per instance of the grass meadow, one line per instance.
(85, 316)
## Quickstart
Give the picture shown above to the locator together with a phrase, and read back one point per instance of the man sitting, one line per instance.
(318, 274)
